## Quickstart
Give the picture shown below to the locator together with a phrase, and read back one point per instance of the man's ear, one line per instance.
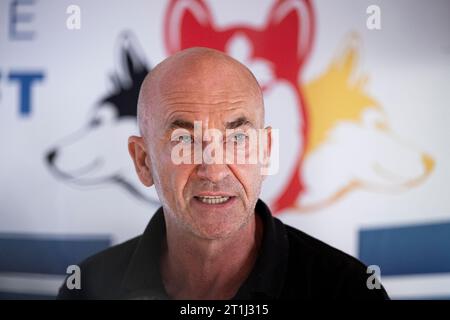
(141, 159)
(267, 145)
(269, 141)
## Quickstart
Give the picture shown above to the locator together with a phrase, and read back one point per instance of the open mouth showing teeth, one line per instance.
(213, 199)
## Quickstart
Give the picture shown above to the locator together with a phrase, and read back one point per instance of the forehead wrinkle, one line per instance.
(171, 116)
(211, 94)
(175, 104)
(214, 97)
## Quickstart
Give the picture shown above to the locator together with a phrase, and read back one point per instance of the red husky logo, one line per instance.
(276, 54)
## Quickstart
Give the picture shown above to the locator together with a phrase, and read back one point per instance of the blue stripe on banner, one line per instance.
(46, 254)
(407, 250)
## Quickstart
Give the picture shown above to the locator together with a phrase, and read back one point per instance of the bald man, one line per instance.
(212, 238)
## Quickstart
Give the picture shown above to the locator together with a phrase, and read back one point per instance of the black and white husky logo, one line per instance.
(97, 153)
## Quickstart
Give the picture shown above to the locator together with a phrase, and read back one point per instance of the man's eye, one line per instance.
(185, 139)
(238, 138)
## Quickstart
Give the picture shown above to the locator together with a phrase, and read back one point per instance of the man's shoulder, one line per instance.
(102, 272)
(115, 254)
(308, 246)
(324, 271)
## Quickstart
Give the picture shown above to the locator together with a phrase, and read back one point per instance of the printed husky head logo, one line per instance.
(339, 138)
(96, 153)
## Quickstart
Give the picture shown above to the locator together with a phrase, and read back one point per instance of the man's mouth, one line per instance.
(213, 199)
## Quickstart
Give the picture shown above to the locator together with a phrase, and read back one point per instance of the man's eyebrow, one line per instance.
(241, 121)
(178, 123)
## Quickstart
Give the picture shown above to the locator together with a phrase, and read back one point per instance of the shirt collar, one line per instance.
(143, 280)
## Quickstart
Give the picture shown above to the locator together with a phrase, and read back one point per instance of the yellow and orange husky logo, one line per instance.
(351, 144)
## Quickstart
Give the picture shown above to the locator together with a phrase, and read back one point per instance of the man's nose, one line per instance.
(213, 172)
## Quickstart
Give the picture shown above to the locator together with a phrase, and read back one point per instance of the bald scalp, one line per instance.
(194, 69)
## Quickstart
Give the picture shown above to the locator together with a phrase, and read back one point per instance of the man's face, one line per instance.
(189, 191)
(185, 97)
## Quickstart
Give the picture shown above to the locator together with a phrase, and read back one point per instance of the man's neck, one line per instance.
(195, 268)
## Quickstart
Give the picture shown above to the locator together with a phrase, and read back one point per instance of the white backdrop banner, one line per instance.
(359, 91)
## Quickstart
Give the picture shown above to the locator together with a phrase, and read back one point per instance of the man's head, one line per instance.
(208, 87)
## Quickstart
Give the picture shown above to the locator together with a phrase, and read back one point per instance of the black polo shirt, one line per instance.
(290, 265)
